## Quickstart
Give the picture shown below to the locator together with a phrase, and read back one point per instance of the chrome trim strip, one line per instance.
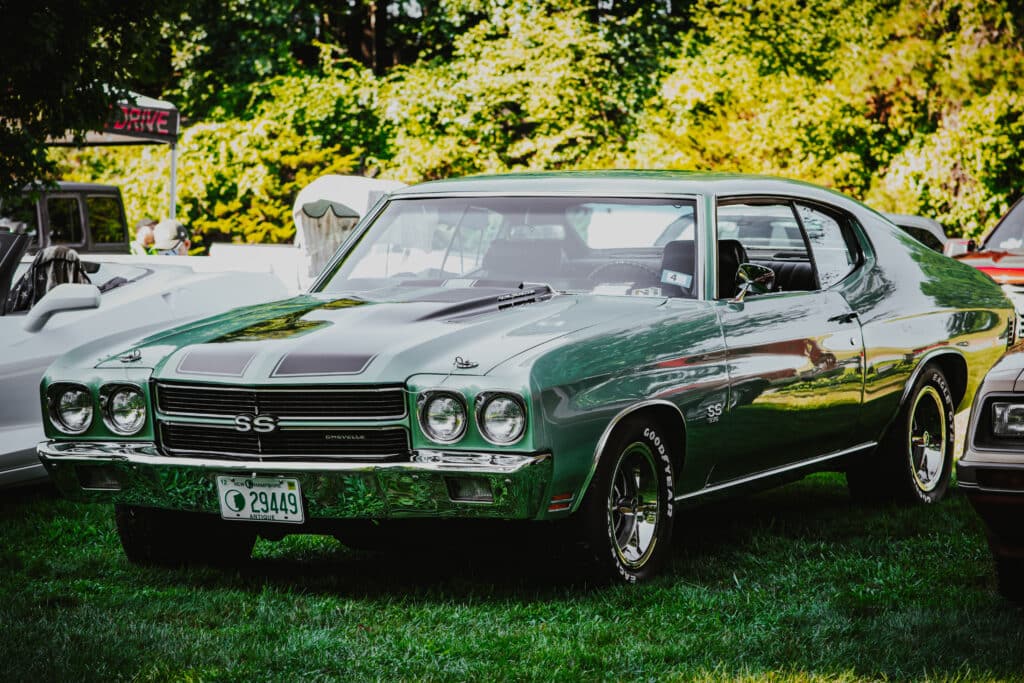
(145, 453)
(607, 434)
(777, 470)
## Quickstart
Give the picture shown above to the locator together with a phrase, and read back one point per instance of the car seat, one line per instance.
(13, 246)
(677, 268)
(730, 255)
(524, 259)
(52, 266)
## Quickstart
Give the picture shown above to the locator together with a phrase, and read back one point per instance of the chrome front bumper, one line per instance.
(135, 473)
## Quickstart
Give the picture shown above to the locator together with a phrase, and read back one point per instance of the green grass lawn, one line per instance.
(795, 584)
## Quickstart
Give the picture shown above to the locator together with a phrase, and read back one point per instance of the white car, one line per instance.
(152, 293)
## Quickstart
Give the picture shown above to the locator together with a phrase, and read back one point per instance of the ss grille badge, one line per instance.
(255, 423)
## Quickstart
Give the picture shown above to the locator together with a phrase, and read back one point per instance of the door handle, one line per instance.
(843, 318)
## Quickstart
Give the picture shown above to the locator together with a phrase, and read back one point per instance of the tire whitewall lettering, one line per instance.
(628, 512)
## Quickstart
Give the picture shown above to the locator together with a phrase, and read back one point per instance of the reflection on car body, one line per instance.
(539, 347)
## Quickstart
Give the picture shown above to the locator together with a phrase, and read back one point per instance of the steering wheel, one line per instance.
(624, 266)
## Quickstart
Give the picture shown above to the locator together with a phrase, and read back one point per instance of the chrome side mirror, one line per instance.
(66, 297)
(754, 279)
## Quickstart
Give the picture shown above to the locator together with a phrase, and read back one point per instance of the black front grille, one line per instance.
(390, 443)
(357, 403)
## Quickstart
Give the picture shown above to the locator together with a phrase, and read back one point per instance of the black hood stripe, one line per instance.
(212, 360)
(301, 363)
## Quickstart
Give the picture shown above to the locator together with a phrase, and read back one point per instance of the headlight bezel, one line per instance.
(54, 393)
(107, 393)
(485, 399)
(424, 402)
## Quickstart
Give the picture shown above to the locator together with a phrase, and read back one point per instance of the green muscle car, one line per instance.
(603, 347)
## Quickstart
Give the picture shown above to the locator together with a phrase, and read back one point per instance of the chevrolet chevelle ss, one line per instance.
(600, 348)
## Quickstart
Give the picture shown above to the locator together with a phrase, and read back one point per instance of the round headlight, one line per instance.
(71, 409)
(124, 410)
(443, 418)
(502, 419)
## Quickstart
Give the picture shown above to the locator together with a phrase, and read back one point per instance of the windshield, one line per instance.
(1009, 232)
(640, 247)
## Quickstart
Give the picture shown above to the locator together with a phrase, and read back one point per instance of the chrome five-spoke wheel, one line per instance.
(927, 433)
(627, 513)
(633, 505)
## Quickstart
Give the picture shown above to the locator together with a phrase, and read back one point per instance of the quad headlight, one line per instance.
(501, 417)
(124, 408)
(1008, 420)
(442, 416)
(71, 408)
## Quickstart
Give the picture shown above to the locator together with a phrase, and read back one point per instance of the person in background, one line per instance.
(170, 238)
(143, 243)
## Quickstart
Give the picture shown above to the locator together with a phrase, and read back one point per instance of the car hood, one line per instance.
(325, 338)
(1005, 267)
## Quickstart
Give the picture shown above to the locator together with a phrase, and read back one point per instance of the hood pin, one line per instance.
(463, 364)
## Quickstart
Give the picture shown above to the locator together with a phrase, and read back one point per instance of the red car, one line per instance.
(1000, 256)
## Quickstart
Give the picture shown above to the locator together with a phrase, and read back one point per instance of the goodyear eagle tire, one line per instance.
(914, 461)
(170, 538)
(627, 514)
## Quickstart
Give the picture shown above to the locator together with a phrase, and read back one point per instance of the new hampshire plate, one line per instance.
(260, 499)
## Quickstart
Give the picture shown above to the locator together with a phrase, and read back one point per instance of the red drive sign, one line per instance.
(144, 122)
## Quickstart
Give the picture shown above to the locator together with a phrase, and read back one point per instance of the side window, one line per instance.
(105, 223)
(924, 237)
(832, 247)
(65, 220)
(767, 233)
(766, 230)
(22, 209)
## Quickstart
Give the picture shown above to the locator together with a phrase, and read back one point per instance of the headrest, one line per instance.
(677, 268)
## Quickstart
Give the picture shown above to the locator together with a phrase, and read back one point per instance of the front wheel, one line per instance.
(914, 461)
(627, 514)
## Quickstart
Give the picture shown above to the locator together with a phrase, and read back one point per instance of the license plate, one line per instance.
(260, 499)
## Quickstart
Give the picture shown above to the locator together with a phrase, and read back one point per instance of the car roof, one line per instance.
(621, 183)
(66, 186)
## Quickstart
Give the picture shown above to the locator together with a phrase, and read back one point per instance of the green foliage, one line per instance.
(339, 108)
(237, 179)
(528, 89)
(910, 104)
(65, 62)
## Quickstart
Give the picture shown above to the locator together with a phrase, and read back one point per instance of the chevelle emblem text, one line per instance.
(344, 437)
(255, 423)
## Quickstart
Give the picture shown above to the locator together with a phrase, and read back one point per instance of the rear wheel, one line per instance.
(172, 538)
(914, 460)
(627, 513)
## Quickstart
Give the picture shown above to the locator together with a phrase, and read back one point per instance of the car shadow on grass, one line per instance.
(538, 560)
